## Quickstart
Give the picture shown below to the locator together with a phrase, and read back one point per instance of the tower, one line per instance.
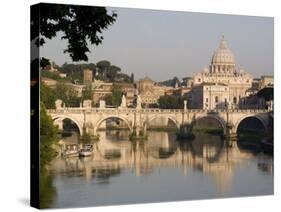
(87, 76)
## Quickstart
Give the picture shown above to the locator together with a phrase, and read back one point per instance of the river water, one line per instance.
(159, 169)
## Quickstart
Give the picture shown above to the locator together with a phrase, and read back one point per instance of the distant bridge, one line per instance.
(91, 118)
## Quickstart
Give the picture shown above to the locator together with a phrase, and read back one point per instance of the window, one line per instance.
(199, 80)
(207, 99)
(216, 99)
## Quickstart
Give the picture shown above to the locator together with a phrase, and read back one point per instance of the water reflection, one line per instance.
(202, 168)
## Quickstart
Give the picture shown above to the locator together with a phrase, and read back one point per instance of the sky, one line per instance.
(165, 44)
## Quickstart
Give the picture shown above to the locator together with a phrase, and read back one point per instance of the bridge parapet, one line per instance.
(153, 110)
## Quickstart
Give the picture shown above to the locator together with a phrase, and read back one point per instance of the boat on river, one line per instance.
(71, 150)
(86, 151)
(71, 153)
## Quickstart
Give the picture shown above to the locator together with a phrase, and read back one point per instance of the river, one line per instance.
(159, 169)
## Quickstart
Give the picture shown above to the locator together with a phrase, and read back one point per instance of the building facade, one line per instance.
(150, 91)
(87, 76)
(222, 84)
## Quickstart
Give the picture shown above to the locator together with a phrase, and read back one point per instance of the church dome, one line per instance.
(223, 55)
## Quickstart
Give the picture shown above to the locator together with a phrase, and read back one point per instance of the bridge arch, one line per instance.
(98, 123)
(149, 120)
(62, 117)
(221, 121)
(261, 119)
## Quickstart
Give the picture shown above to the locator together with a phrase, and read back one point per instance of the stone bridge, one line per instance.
(89, 119)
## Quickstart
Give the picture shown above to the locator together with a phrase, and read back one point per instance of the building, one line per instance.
(77, 88)
(215, 95)
(150, 91)
(222, 83)
(180, 91)
(145, 89)
(87, 76)
(266, 81)
(187, 82)
(101, 89)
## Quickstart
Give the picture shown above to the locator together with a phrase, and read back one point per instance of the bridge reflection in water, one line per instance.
(206, 156)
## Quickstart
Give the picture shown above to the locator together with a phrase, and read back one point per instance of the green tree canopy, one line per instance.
(112, 72)
(87, 93)
(171, 102)
(103, 64)
(48, 136)
(115, 98)
(67, 94)
(266, 93)
(44, 62)
(80, 25)
(47, 96)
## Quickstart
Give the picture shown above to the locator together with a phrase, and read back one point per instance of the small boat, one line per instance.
(85, 153)
(71, 153)
(71, 150)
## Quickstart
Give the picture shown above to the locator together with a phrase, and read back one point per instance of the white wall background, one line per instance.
(14, 111)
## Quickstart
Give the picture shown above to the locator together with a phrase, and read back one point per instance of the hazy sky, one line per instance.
(164, 44)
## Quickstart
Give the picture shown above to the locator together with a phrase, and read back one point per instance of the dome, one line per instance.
(223, 55)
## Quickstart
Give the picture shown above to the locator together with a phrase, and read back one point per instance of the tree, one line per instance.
(171, 102)
(112, 72)
(102, 67)
(103, 64)
(44, 62)
(67, 94)
(132, 78)
(87, 93)
(115, 98)
(47, 96)
(80, 25)
(171, 82)
(266, 93)
(48, 136)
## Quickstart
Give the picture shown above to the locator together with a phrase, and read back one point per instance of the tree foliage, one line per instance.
(171, 102)
(80, 25)
(47, 96)
(266, 93)
(67, 94)
(44, 62)
(171, 82)
(75, 71)
(48, 136)
(62, 91)
(115, 98)
(87, 93)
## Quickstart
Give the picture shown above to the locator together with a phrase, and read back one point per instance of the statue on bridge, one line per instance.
(138, 102)
(58, 104)
(123, 102)
(102, 104)
(185, 105)
(87, 103)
